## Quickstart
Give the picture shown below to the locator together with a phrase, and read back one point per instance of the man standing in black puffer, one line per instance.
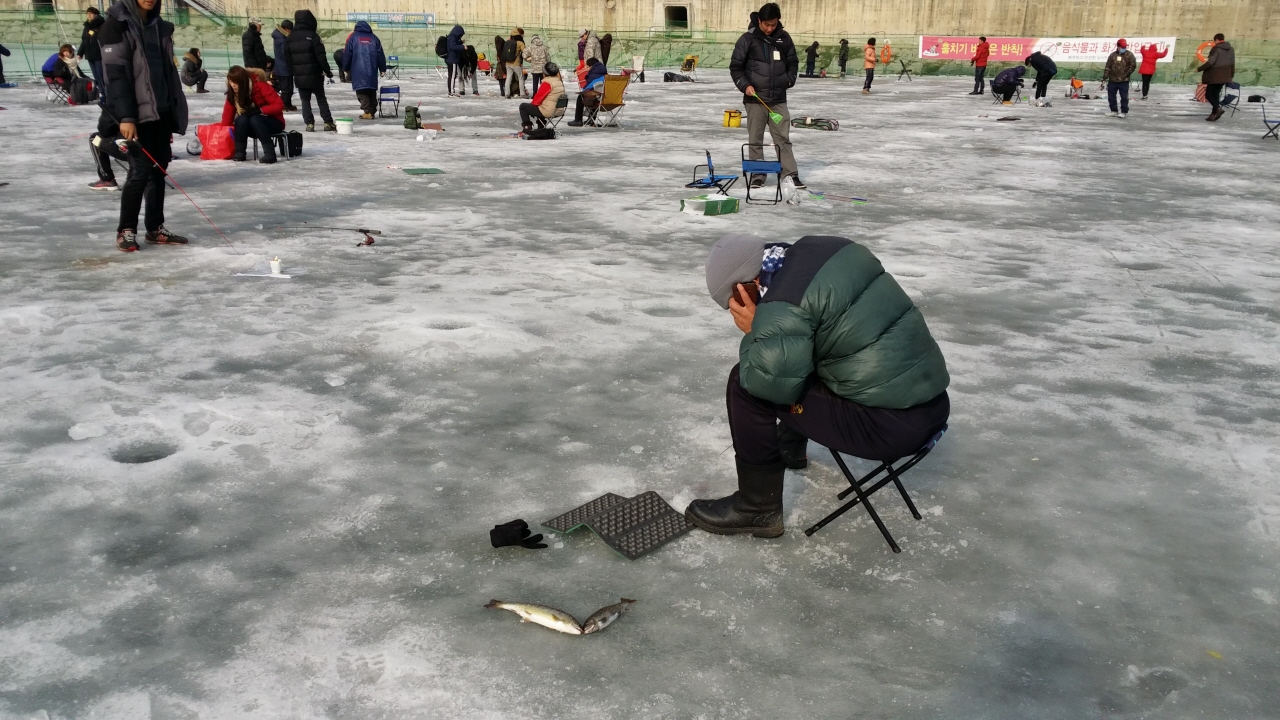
(91, 51)
(763, 66)
(310, 66)
(144, 94)
(255, 55)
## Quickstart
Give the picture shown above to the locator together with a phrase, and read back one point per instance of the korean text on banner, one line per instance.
(947, 47)
(1011, 49)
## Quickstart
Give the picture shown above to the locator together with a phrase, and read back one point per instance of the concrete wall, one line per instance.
(638, 29)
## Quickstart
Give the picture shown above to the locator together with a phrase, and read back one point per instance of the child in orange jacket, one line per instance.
(869, 64)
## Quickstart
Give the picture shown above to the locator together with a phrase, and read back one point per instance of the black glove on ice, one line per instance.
(515, 532)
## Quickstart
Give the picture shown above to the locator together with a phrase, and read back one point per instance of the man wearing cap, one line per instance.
(1120, 65)
(255, 55)
(834, 350)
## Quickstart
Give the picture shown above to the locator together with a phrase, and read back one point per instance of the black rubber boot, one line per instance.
(793, 447)
(755, 509)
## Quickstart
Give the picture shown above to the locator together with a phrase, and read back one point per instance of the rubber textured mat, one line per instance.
(632, 527)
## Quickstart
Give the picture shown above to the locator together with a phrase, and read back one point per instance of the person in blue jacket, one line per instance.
(364, 60)
(1007, 82)
(284, 76)
(594, 83)
(456, 56)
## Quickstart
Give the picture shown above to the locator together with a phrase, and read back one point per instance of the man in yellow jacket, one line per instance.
(869, 64)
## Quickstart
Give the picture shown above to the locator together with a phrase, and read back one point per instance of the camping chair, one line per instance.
(690, 67)
(863, 495)
(56, 92)
(905, 71)
(637, 68)
(611, 101)
(393, 67)
(762, 167)
(389, 94)
(562, 106)
(1272, 126)
(1232, 102)
(280, 140)
(999, 97)
(711, 180)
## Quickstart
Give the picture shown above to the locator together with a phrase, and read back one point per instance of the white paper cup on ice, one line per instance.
(275, 266)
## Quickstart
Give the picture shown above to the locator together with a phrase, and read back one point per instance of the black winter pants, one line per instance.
(146, 180)
(1006, 91)
(455, 74)
(529, 113)
(871, 75)
(286, 88)
(1212, 93)
(1042, 84)
(304, 94)
(259, 126)
(979, 78)
(103, 151)
(1146, 83)
(830, 420)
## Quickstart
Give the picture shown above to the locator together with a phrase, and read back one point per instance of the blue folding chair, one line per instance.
(891, 476)
(762, 167)
(711, 179)
(1232, 102)
(389, 94)
(1273, 126)
(393, 67)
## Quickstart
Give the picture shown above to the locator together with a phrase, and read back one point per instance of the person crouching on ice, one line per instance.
(834, 350)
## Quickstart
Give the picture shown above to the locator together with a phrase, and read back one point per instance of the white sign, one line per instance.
(1096, 50)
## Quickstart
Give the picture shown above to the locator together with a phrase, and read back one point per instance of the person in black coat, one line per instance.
(1045, 69)
(91, 51)
(283, 74)
(310, 66)
(810, 58)
(763, 66)
(844, 54)
(255, 55)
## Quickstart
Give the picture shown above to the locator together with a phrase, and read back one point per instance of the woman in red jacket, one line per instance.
(254, 109)
(1150, 54)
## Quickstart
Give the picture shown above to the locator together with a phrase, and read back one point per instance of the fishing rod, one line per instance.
(368, 234)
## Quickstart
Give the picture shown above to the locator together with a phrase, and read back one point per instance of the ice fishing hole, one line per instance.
(139, 453)
(1141, 266)
(608, 262)
(449, 325)
(663, 311)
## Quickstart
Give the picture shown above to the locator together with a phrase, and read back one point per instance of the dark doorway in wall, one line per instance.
(42, 7)
(677, 17)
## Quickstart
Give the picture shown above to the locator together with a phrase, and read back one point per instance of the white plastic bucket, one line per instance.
(346, 126)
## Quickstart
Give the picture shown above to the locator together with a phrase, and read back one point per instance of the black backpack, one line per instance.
(442, 46)
(509, 51)
(540, 134)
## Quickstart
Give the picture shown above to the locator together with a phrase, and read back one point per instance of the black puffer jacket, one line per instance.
(133, 95)
(89, 49)
(307, 58)
(1042, 63)
(255, 55)
(766, 62)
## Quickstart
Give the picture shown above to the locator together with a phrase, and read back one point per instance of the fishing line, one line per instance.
(184, 192)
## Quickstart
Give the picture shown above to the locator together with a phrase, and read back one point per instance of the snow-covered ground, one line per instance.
(1102, 522)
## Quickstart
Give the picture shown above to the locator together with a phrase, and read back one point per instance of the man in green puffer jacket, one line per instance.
(834, 349)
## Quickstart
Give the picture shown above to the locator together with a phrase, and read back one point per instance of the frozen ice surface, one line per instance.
(227, 497)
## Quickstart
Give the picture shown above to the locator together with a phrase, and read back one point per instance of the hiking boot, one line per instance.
(311, 127)
(977, 92)
(1217, 113)
(866, 91)
(104, 185)
(330, 127)
(290, 108)
(757, 181)
(161, 236)
(366, 116)
(474, 93)
(1123, 115)
(574, 123)
(798, 183)
(755, 509)
(1006, 102)
(127, 241)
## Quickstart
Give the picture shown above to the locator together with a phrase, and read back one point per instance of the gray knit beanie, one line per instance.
(733, 259)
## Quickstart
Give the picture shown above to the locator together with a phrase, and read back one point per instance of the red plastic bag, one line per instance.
(216, 142)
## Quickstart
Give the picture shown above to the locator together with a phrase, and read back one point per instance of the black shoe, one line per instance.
(755, 509)
(161, 236)
(574, 123)
(795, 180)
(793, 447)
(290, 108)
(757, 181)
(268, 159)
(127, 241)
(239, 157)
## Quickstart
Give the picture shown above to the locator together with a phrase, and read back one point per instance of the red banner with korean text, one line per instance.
(947, 47)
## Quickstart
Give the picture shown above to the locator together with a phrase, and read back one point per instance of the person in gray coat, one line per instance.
(144, 95)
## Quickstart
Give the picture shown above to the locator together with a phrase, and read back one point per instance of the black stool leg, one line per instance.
(907, 499)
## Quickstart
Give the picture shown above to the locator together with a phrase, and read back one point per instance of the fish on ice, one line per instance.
(560, 620)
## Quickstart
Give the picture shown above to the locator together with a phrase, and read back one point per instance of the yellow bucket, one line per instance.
(732, 118)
